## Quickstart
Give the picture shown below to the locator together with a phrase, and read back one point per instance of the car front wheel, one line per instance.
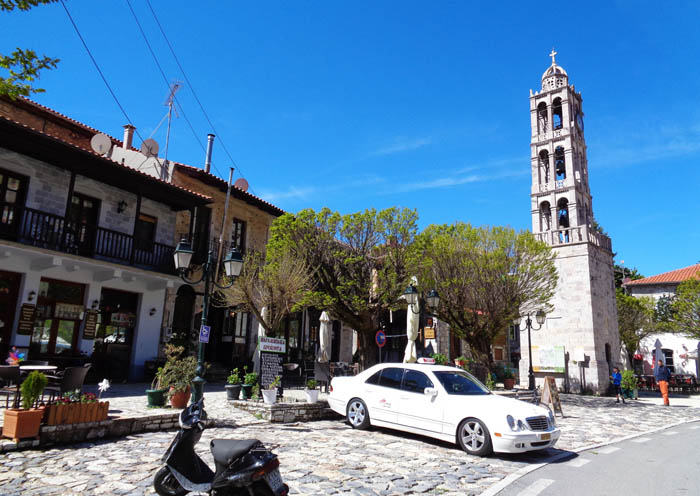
(357, 414)
(474, 437)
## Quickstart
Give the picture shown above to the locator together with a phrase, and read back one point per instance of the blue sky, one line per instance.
(416, 104)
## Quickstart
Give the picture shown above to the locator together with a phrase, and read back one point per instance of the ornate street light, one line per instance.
(540, 317)
(233, 263)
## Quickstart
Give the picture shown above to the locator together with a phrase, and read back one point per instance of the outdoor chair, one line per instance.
(35, 362)
(9, 374)
(71, 380)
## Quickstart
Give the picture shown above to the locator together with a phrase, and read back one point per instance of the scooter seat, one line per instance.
(226, 451)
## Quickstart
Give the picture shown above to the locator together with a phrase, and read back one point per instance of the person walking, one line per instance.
(662, 376)
(617, 384)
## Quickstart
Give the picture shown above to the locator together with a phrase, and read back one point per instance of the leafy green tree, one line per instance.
(663, 314)
(686, 308)
(621, 272)
(360, 262)
(484, 276)
(635, 320)
(23, 65)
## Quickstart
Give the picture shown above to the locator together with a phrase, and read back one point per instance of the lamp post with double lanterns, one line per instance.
(415, 299)
(540, 317)
(233, 263)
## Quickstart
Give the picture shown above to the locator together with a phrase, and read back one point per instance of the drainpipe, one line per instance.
(210, 145)
(128, 136)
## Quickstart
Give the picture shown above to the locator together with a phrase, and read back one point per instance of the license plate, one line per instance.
(274, 480)
(545, 437)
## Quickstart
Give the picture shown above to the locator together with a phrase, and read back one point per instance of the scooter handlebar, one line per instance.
(192, 415)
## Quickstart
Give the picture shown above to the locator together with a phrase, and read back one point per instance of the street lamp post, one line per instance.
(540, 316)
(415, 299)
(232, 262)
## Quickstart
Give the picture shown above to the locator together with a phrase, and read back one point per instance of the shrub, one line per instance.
(439, 358)
(32, 387)
(277, 382)
(490, 383)
(311, 384)
(234, 378)
(629, 380)
(250, 378)
(179, 370)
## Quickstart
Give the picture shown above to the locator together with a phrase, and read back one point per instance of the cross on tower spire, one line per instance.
(553, 54)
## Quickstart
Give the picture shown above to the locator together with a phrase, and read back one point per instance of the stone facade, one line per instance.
(584, 317)
(287, 412)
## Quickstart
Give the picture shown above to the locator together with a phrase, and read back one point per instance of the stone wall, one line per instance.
(287, 412)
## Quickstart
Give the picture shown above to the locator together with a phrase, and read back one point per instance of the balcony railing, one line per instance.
(573, 235)
(53, 232)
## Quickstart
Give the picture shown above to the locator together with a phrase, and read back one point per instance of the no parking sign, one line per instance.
(380, 338)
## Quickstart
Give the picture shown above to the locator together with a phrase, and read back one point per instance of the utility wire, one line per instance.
(165, 78)
(192, 88)
(99, 70)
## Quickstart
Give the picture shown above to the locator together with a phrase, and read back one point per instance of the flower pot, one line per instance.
(156, 397)
(21, 424)
(269, 396)
(508, 383)
(179, 399)
(246, 390)
(233, 391)
(311, 395)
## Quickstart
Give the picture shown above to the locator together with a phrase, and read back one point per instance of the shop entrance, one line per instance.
(115, 334)
(9, 291)
(58, 312)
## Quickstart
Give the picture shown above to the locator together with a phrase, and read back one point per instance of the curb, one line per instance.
(508, 480)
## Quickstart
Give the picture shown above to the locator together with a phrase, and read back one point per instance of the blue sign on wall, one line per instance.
(204, 334)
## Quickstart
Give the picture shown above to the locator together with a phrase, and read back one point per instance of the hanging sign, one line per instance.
(273, 345)
(380, 338)
(550, 395)
(204, 334)
(26, 319)
(90, 324)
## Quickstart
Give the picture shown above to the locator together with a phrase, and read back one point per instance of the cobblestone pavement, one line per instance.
(324, 457)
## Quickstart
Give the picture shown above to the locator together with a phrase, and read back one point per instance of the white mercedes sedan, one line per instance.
(445, 403)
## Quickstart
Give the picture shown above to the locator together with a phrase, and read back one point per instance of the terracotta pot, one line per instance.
(508, 383)
(21, 424)
(179, 399)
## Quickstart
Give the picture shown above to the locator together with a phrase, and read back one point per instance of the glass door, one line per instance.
(81, 226)
(59, 311)
(12, 189)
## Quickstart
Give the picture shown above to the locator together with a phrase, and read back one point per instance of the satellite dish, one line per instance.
(241, 184)
(149, 147)
(101, 143)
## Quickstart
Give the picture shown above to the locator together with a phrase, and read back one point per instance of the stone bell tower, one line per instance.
(584, 317)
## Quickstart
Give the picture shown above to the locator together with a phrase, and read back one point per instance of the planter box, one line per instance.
(76, 413)
(21, 424)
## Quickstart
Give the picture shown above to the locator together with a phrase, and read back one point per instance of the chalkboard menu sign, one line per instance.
(550, 395)
(270, 367)
(90, 324)
(26, 320)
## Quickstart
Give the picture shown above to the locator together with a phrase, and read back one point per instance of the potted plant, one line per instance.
(249, 380)
(233, 385)
(311, 391)
(270, 394)
(461, 361)
(439, 358)
(178, 373)
(156, 395)
(25, 422)
(629, 384)
(508, 377)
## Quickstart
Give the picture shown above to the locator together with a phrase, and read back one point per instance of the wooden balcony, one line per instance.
(52, 232)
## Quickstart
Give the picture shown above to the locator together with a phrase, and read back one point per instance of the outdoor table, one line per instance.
(42, 368)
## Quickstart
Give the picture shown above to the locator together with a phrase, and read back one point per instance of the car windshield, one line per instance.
(460, 382)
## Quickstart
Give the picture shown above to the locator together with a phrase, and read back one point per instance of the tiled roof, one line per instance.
(224, 184)
(273, 209)
(109, 160)
(674, 277)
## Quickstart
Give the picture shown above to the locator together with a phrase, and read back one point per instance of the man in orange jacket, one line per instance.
(662, 376)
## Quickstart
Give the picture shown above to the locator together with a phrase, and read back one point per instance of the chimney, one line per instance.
(128, 136)
(210, 145)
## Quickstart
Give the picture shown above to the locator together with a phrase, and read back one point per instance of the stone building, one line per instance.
(680, 353)
(86, 246)
(579, 342)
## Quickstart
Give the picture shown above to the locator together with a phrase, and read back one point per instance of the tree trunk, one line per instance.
(367, 348)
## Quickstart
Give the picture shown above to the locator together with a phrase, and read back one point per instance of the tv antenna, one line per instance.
(170, 103)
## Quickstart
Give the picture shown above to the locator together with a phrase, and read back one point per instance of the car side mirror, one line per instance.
(430, 391)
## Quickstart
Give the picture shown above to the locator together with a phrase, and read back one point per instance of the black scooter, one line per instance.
(245, 467)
